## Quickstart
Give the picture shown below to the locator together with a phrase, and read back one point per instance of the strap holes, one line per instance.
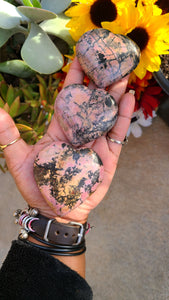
(66, 235)
(57, 232)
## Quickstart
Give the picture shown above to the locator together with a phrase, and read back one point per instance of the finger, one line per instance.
(75, 74)
(8, 134)
(118, 89)
(119, 131)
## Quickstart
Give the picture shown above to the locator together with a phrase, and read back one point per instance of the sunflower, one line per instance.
(150, 32)
(156, 9)
(88, 14)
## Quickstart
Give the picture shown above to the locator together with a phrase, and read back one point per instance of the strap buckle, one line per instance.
(81, 232)
(45, 237)
(79, 236)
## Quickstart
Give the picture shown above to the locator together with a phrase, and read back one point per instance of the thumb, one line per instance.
(9, 133)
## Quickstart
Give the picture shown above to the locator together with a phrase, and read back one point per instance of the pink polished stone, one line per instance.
(106, 57)
(66, 177)
(85, 114)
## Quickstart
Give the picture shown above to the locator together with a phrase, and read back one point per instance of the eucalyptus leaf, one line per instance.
(36, 14)
(16, 67)
(57, 6)
(40, 53)
(5, 34)
(58, 27)
(10, 16)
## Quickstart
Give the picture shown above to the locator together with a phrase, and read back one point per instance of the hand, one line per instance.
(20, 156)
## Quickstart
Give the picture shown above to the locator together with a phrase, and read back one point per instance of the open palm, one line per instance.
(20, 156)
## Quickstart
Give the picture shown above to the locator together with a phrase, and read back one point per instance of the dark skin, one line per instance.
(20, 156)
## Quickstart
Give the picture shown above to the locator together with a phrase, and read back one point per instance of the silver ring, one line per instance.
(2, 147)
(124, 142)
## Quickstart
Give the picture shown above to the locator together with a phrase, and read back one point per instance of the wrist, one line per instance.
(64, 219)
(49, 235)
(76, 263)
(67, 220)
(66, 232)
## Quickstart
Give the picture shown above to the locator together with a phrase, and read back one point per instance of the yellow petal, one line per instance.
(77, 10)
(113, 27)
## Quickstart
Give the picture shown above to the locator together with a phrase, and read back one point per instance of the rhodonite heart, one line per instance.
(85, 114)
(66, 176)
(106, 57)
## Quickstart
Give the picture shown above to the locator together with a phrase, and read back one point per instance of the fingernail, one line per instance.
(132, 92)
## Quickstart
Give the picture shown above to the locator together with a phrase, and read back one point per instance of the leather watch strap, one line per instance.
(59, 233)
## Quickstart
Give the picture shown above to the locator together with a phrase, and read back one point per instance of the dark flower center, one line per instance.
(164, 5)
(103, 10)
(140, 36)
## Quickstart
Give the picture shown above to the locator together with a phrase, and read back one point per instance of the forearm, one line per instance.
(76, 263)
(29, 273)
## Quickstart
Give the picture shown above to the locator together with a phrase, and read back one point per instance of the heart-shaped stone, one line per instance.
(106, 57)
(66, 176)
(85, 114)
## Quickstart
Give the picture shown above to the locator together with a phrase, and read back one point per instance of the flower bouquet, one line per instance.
(146, 23)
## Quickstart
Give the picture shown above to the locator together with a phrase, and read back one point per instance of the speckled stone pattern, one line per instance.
(106, 57)
(85, 114)
(66, 176)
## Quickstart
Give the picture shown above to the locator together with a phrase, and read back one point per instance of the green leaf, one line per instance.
(23, 128)
(57, 6)
(40, 53)
(27, 3)
(36, 3)
(42, 92)
(49, 117)
(34, 114)
(23, 122)
(27, 93)
(14, 107)
(2, 103)
(16, 67)
(6, 107)
(10, 96)
(41, 117)
(42, 81)
(58, 27)
(54, 96)
(3, 90)
(1, 78)
(5, 34)
(36, 14)
(23, 107)
(29, 137)
(10, 16)
(41, 128)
